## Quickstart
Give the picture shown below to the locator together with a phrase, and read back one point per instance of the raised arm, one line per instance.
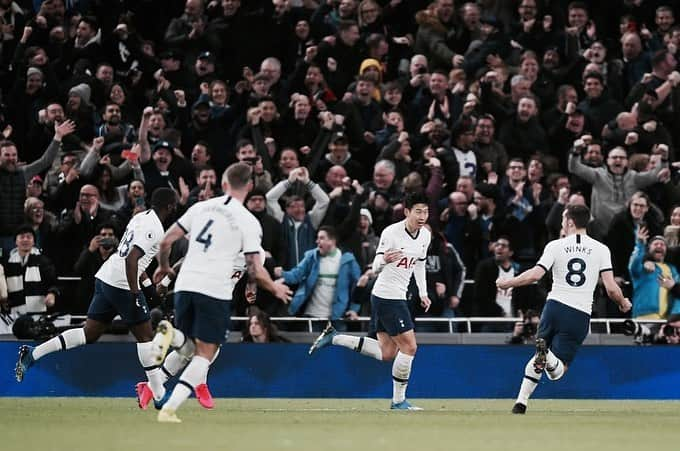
(45, 161)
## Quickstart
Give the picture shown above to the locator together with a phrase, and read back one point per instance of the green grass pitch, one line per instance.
(75, 424)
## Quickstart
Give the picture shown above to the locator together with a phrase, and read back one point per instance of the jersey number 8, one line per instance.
(575, 277)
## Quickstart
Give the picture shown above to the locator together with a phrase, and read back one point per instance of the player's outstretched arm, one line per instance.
(614, 291)
(258, 273)
(526, 278)
(174, 233)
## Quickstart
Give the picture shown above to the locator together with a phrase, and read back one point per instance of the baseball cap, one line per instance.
(37, 179)
(339, 137)
(207, 56)
(162, 144)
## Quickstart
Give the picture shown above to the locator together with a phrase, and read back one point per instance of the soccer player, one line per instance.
(401, 253)
(576, 261)
(117, 292)
(220, 229)
(181, 356)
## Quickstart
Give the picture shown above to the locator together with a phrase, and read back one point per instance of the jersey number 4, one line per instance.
(204, 237)
(576, 267)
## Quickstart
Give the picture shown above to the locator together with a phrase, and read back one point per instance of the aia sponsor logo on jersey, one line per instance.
(406, 263)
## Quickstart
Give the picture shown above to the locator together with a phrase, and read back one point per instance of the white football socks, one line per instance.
(529, 382)
(363, 345)
(195, 373)
(153, 372)
(66, 340)
(554, 367)
(401, 370)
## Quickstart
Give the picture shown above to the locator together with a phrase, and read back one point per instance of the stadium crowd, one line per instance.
(502, 112)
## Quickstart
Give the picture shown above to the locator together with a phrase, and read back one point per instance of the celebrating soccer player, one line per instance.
(575, 261)
(401, 253)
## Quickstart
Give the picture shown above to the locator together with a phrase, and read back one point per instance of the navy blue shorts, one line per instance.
(109, 301)
(390, 315)
(203, 317)
(564, 328)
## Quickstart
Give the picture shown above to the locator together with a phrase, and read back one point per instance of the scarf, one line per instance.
(25, 289)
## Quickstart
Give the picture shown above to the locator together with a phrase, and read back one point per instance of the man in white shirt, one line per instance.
(575, 261)
(220, 229)
(402, 251)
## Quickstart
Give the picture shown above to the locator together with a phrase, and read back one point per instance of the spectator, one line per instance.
(598, 107)
(100, 248)
(256, 202)
(522, 135)
(651, 299)
(261, 329)
(43, 222)
(489, 300)
(492, 158)
(623, 229)
(612, 185)
(445, 274)
(14, 178)
(298, 226)
(325, 277)
(79, 226)
(31, 277)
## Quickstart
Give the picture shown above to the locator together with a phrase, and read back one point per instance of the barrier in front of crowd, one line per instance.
(287, 371)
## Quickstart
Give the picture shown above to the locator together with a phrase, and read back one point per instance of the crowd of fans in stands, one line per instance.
(502, 112)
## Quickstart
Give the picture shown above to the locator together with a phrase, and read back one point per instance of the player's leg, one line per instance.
(533, 370)
(364, 345)
(401, 368)
(573, 329)
(209, 325)
(156, 378)
(99, 316)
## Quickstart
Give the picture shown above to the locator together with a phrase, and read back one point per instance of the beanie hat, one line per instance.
(33, 71)
(82, 90)
(367, 213)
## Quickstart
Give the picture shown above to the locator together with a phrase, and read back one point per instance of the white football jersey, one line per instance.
(393, 280)
(240, 265)
(576, 262)
(144, 231)
(219, 229)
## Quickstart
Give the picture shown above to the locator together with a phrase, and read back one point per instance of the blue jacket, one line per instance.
(306, 274)
(646, 288)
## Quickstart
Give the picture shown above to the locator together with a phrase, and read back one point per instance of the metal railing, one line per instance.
(468, 322)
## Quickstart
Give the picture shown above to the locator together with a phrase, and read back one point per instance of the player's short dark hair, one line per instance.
(238, 175)
(580, 214)
(330, 231)
(163, 197)
(412, 199)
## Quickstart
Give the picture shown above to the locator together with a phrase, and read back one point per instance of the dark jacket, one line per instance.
(13, 189)
(485, 289)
